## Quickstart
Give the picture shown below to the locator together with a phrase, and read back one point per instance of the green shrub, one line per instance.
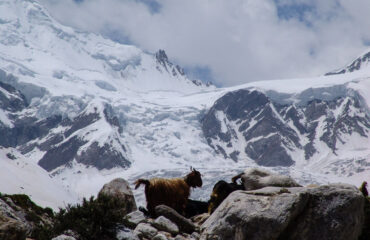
(93, 219)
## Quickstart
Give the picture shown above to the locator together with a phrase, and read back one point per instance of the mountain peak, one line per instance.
(161, 56)
(359, 63)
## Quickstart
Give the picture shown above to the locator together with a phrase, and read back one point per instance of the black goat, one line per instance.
(195, 207)
(220, 192)
(363, 189)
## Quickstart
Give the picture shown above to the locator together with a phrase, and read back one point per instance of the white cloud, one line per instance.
(239, 40)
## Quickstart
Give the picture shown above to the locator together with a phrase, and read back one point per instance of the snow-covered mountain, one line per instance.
(78, 110)
(361, 63)
(277, 129)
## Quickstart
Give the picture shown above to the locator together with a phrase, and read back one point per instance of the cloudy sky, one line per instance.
(232, 41)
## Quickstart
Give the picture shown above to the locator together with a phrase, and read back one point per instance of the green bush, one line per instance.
(93, 219)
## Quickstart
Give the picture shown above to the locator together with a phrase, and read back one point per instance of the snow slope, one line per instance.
(21, 176)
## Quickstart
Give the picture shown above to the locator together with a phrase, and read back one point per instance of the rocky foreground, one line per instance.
(335, 211)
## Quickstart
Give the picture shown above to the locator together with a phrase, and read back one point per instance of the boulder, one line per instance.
(145, 230)
(134, 218)
(163, 224)
(181, 237)
(120, 188)
(126, 234)
(160, 236)
(64, 237)
(333, 212)
(184, 224)
(256, 178)
(326, 212)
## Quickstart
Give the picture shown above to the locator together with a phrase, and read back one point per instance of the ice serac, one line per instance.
(261, 126)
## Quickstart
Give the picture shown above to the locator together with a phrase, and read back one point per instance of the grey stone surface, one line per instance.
(326, 212)
(134, 218)
(333, 212)
(145, 230)
(63, 237)
(184, 224)
(160, 236)
(126, 234)
(164, 224)
(120, 188)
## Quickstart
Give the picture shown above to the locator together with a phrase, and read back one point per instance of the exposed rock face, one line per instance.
(11, 99)
(63, 148)
(21, 218)
(326, 212)
(269, 127)
(164, 63)
(63, 139)
(11, 226)
(258, 178)
(120, 188)
(356, 65)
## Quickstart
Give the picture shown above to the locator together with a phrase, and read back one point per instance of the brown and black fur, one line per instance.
(363, 189)
(220, 192)
(170, 192)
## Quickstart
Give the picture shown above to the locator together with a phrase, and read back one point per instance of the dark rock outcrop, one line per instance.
(268, 128)
(59, 136)
(354, 66)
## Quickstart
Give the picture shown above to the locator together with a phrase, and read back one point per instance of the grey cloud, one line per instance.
(240, 40)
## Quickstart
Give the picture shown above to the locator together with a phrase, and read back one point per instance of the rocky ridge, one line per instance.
(335, 211)
(272, 131)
